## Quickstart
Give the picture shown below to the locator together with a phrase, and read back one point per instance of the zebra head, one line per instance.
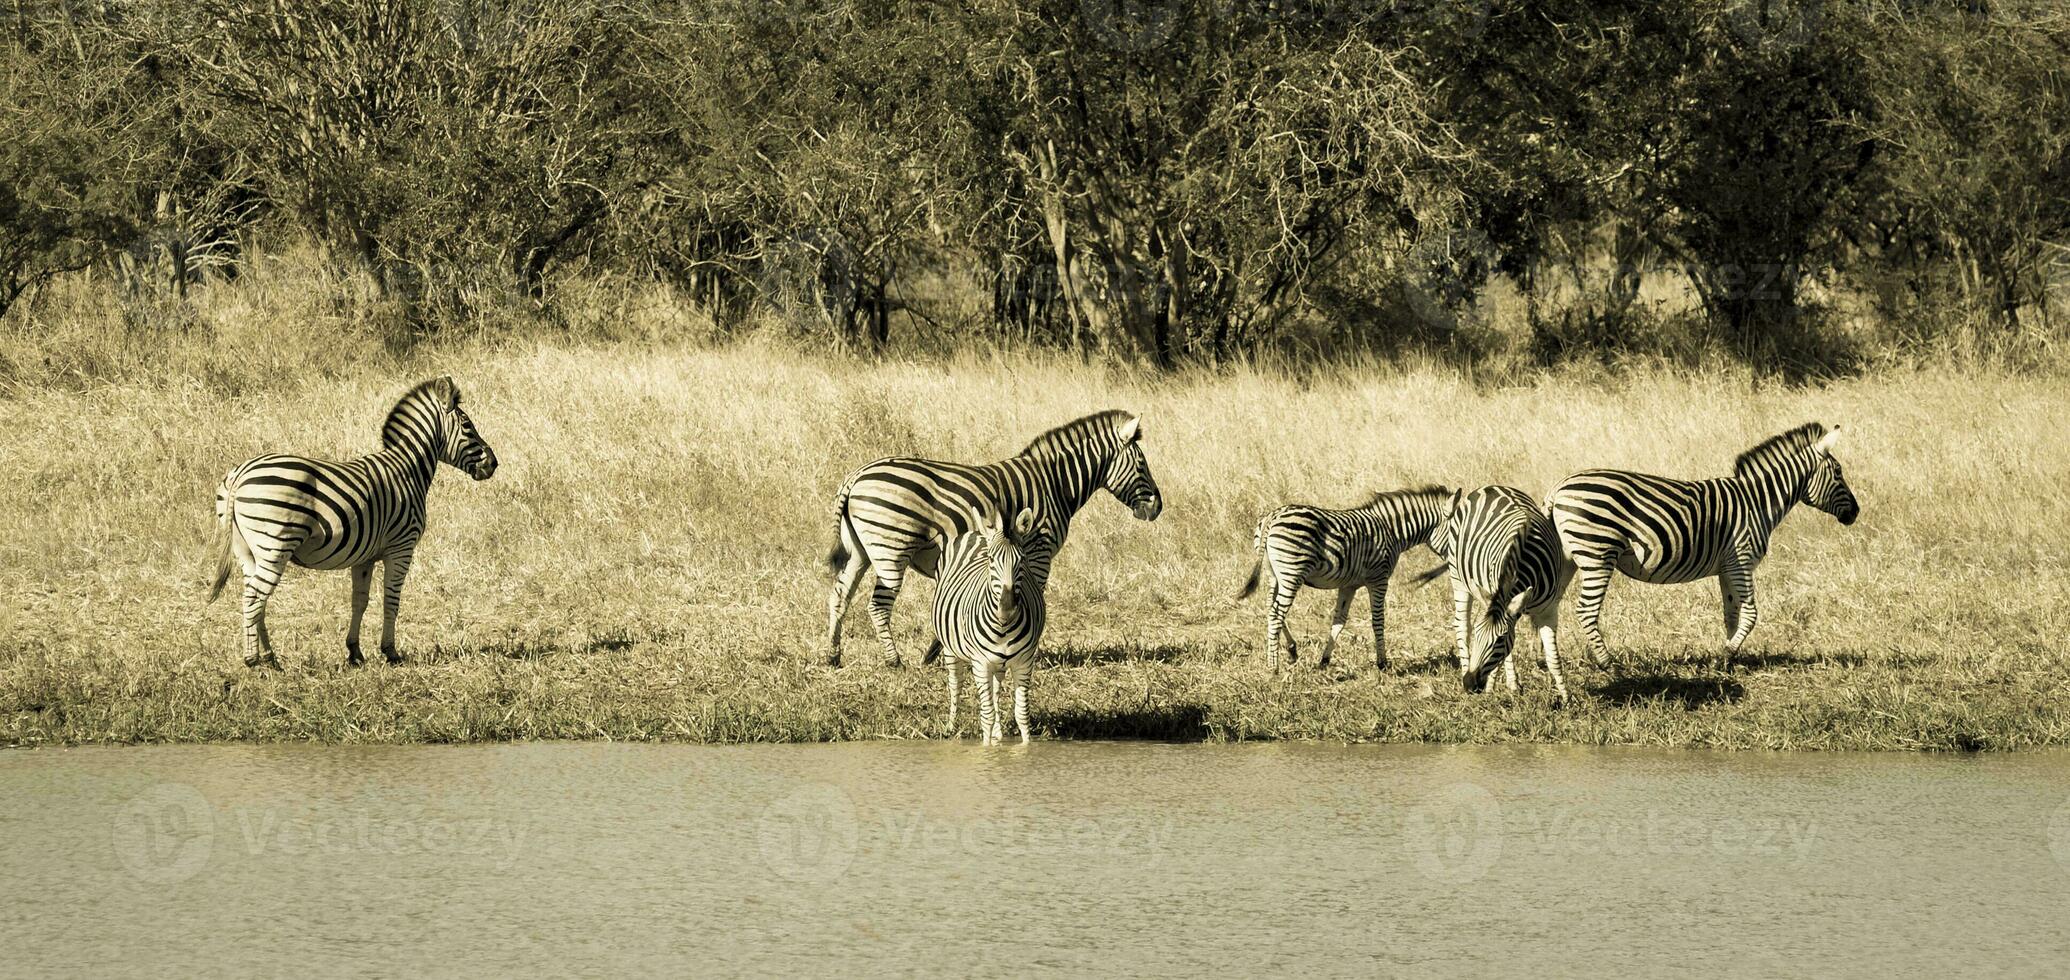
(1005, 549)
(1826, 489)
(1489, 641)
(1128, 473)
(460, 445)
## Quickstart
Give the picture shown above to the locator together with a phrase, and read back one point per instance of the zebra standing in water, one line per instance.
(893, 514)
(1665, 531)
(1503, 553)
(989, 611)
(320, 514)
(1344, 550)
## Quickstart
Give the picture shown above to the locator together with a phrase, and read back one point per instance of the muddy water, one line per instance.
(947, 859)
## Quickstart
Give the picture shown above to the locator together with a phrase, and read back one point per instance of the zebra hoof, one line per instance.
(833, 659)
(263, 660)
(352, 657)
(392, 656)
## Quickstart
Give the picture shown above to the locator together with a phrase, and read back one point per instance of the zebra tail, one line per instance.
(1250, 585)
(934, 652)
(837, 556)
(1425, 578)
(219, 549)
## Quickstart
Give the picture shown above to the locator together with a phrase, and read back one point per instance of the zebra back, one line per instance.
(898, 505)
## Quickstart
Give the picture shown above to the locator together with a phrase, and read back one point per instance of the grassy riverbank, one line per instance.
(647, 563)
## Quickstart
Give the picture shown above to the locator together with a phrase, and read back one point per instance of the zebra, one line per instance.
(892, 514)
(1501, 552)
(328, 515)
(1344, 550)
(1667, 531)
(989, 612)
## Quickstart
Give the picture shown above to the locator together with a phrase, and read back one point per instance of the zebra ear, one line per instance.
(1516, 604)
(1130, 430)
(449, 391)
(1824, 445)
(1024, 523)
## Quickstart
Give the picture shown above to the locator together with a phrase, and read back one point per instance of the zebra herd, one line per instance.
(988, 533)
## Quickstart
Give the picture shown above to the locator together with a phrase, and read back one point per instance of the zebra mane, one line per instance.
(1776, 447)
(1427, 490)
(420, 391)
(1076, 432)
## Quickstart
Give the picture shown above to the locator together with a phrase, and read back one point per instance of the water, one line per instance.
(948, 859)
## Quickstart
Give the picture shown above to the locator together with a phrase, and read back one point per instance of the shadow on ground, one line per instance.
(1689, 692)
(1176, 722)
(532, 649)
(1086, 656)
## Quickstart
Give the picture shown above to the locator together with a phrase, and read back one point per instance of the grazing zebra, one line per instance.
(1344, 550)
(1665, 531)
(989, 612)
(1502, 553)
(320, 514)
(893, 514)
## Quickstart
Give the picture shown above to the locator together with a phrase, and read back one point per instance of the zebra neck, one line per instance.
(415, 462)
(1774, 491)
(1066, 482)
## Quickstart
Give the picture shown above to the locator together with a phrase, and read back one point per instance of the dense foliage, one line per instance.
(1166, 180)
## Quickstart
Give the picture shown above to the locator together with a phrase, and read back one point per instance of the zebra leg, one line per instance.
(1344, 597)
(258, 647)
(1020, 704)
(889, 581)
(1461, 605)
(998, 684)
(1376, 593)
(988, 703)
(1283, 590)
(845, 583)
(261, 576)
(362, 585)
(1736, 586)
(1548, 637)
(1588, 607)
(394, 568)
(949, 662)
(1509, 663)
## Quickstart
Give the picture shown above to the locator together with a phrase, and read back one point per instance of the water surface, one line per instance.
(947, 859)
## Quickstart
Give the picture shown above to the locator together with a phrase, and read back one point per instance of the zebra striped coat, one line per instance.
(1501, 552)
(989, 612)
(320, 514)
(892, 514)
(1665, 531)
(1344, 550)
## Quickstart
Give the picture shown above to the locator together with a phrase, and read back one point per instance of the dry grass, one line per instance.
(647, 563)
